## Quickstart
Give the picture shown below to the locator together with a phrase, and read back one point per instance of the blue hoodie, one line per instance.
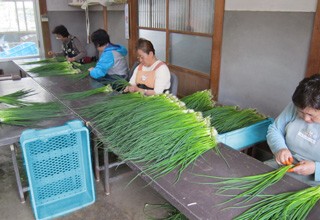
(112, 61)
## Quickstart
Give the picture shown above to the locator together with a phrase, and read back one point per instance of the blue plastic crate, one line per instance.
(59, 169)
(245, 137)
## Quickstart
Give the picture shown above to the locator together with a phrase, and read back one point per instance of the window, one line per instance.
(18, 29)
(189, 31)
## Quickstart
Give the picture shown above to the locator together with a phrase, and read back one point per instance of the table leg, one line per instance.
(16, 171)
(96, 160)
(106, 171)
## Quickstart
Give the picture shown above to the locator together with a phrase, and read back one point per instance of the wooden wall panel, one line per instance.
(188, 82)
(313, 65)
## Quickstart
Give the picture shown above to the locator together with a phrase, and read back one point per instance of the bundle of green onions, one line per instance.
(289, 205)
(199, 101)
(15, 97)
(83, 68)
(28, 115)
(171, 212)
(55, 69)
(156, 131)
(250, 185)
(229, 118)
(119, 84)
(85, 94)
(46, 61)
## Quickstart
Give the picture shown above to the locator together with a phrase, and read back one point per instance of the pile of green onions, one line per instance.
(289, 205)
(15, 97)
(55, 69)
(157, 131)
(30, 114)
(223, 118)
(251, 186)
(81, 95)
(229, 118)
(199, 101)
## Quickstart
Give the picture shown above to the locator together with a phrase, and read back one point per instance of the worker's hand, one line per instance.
(304, 167)
(284, 157)
(70, 59)
(131, 89)
(50, 53)
(91, 68)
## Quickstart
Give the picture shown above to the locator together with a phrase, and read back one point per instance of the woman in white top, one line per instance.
(151, 76)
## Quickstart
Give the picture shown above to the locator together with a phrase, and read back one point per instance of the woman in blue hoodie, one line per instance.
(112, 63)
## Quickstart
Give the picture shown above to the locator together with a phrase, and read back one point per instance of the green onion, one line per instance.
(119, 83)
(199, 101)
(28, 115)
(171, 212)
(250, 185)
(85, 94)
(289, 205)
(229, 118)
(14, 98)
(157, 131)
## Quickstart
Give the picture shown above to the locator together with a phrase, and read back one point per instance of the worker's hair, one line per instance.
(307, 93)
(100, 38)
(145, 45)
(61, 30)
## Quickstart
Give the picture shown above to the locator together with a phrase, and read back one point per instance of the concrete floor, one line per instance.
(124, 202)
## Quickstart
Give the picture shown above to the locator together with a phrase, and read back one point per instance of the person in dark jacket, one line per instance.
(72, 48)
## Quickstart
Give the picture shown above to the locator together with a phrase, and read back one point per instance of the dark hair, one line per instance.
(145, 45)
(61, 30)
(307, 93)
(100, 38)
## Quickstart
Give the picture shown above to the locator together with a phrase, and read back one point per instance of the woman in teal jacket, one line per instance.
(112, 63)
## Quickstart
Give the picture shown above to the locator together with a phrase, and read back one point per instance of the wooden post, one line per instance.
(45, 27)
(216, 47)
(314, 51)
(105, 18)
(133, 30)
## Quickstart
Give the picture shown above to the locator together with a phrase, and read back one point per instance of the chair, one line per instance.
(174, 84)
(132, 70)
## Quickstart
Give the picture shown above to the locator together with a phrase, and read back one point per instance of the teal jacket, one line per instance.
(111, 62)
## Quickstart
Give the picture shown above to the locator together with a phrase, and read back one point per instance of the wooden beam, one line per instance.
(313, 65)
(167, 34)
(105, 18)
(216, 47)
(133, 30)
(45, 27)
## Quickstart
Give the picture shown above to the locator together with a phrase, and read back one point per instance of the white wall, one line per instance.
(264, 56)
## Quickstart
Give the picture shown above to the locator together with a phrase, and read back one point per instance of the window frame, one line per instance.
(39, 32)
(214, 74)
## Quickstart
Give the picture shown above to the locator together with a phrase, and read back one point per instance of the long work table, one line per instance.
(58, 86)
(193, 199)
